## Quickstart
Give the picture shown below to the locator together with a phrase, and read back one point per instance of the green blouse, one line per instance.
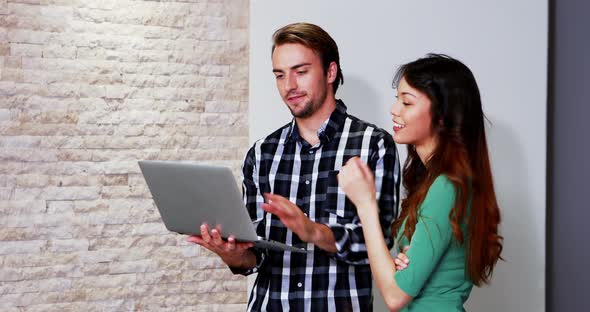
(436, 276)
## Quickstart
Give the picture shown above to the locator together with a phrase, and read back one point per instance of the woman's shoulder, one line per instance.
(442, 185)
(440, 194)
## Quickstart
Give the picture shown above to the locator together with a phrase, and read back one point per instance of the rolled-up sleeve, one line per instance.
(350, 241)
(253, 200)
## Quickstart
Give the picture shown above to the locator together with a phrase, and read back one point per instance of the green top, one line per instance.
(436, 276)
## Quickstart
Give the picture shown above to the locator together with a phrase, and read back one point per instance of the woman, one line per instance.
(450, 216)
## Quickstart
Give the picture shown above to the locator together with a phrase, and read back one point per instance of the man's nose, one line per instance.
(290, 83)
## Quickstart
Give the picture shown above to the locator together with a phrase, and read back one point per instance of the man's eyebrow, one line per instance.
(276, 70)
(300, 65)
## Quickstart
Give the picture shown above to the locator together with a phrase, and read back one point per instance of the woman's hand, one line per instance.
(401, 260)
(357, 181)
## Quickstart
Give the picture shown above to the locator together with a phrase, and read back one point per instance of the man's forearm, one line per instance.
(323, 237)
(245, 261)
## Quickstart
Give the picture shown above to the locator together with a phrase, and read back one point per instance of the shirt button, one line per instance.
(299, 284)
(311, 152)
(307, 182)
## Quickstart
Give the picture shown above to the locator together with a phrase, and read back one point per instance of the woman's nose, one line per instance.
(395, 109)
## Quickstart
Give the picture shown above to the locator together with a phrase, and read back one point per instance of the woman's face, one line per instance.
(412, 117)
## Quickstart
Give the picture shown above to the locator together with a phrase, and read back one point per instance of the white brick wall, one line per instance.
(87, 88)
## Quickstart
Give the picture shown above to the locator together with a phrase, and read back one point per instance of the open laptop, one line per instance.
(188, 195)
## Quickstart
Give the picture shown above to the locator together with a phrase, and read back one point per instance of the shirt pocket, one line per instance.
(336, 203)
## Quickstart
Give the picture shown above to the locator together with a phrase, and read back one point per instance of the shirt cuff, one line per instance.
(260, 256)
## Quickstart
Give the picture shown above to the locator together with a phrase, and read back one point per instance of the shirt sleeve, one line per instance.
(350, 241)
(431, 238)
(253, 200)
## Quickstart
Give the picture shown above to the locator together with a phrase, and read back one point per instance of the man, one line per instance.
(291, 189)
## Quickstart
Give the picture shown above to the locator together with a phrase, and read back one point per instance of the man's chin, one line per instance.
(300, 111)
(302, 114)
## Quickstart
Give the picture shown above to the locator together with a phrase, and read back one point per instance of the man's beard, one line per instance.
(309, 108)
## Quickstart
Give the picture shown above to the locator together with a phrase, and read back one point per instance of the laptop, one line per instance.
(188, 195)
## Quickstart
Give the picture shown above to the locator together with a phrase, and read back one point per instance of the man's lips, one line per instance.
(295, 98)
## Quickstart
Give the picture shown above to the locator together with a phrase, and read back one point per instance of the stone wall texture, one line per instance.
(88, 88)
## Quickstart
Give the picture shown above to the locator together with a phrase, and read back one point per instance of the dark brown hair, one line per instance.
(316, 39)
(461, 155)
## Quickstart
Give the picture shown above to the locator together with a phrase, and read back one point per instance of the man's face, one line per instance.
(302, 82)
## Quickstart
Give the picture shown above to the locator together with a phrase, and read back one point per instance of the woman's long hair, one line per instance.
(461, 154)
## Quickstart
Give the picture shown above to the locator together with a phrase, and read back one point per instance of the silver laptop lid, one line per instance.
(189, 194)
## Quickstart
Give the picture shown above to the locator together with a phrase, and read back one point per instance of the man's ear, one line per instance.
(332, 72)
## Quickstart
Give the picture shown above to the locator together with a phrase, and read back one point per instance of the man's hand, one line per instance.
(293, 218)
(234, 254)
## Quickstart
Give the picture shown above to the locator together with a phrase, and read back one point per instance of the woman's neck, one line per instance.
(426, 149)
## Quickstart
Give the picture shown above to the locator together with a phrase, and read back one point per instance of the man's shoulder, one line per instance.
(358, 124)
(275, 137)
(268, 143)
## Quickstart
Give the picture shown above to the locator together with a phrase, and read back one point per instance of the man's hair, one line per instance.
(314, 38)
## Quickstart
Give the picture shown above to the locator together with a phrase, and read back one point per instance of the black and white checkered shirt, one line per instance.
(285, 164)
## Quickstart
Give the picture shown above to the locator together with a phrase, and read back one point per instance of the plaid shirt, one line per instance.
(285, 164)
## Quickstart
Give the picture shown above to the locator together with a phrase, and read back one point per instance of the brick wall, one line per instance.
(87, 88)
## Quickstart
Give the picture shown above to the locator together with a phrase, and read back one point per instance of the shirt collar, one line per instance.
(328, 129)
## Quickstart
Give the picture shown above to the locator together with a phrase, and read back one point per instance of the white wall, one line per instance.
(503, 42)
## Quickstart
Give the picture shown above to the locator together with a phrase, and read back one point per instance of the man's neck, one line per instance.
(308, 127)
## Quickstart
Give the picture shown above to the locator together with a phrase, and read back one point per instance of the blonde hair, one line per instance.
(316, 39)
